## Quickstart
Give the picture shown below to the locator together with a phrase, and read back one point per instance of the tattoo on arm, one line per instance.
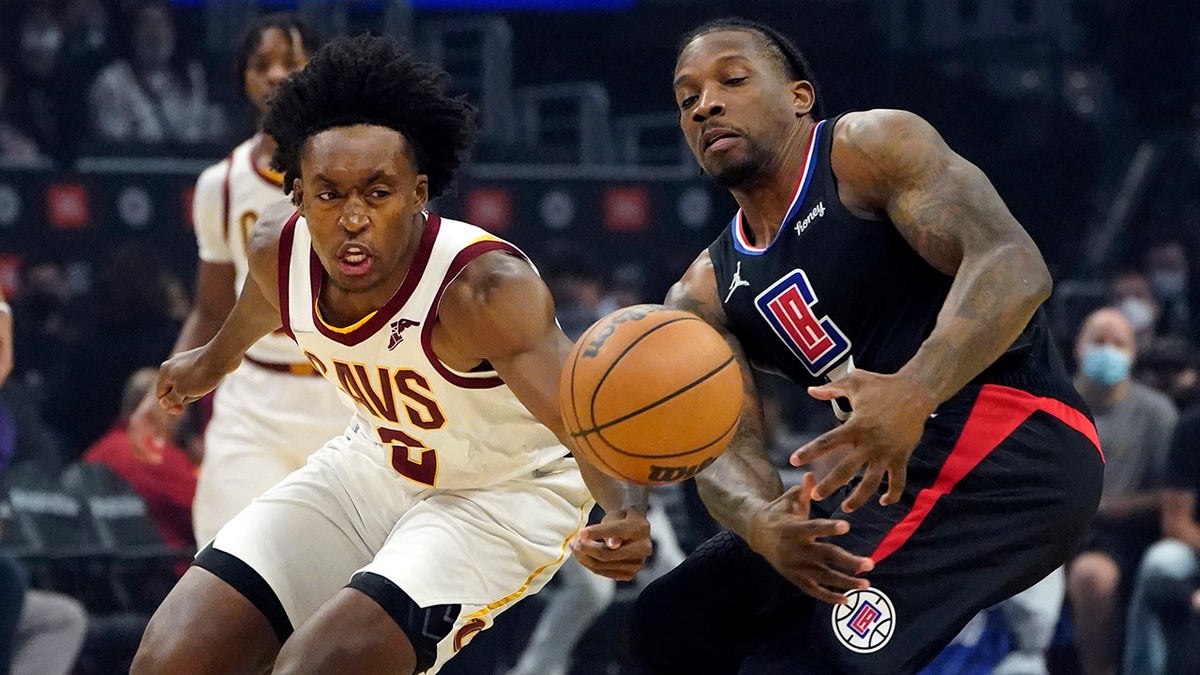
(955, 220)
(742, 480)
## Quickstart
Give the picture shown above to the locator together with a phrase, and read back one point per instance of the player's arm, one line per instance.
(189, 375)
(895, 163)
(6, 339)
(742, 489)
(500, 310)
(149, 425)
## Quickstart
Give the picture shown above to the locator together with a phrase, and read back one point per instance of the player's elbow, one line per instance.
(1027, 270)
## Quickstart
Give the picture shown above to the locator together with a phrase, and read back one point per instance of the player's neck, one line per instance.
(264, 146)
(766, 198)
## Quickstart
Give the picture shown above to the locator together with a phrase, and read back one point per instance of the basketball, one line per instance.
(651, 395)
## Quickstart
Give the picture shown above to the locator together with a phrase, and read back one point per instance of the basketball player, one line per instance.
(274, 410)
(449, 497)
(875, 265)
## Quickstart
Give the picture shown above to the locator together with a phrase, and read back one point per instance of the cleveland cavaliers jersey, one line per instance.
(832, 292)
(229, 197)
(434, 425)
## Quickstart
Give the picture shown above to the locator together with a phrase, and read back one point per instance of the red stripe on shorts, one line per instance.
(997, 412)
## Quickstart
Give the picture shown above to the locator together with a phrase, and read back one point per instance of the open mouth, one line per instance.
(354, 260)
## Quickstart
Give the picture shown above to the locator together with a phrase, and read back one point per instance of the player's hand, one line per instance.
(616, 547)
(888, 418)
(150, 428)
(784, 535)
(184, 378)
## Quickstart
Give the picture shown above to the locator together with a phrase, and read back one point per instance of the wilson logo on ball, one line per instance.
(671, 474)
(650, 395)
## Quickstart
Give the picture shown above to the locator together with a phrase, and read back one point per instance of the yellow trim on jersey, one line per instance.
(515, 595)
(486, 237)
(348, 329)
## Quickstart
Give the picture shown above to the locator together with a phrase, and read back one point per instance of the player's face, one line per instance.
(278, 55)
(362, 197)
(735, 105)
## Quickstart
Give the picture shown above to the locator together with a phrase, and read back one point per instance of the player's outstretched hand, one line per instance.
(887, 419)
(784, 535)
(184, 378)
(616, 547)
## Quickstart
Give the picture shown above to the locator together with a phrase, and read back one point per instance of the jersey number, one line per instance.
(423, 469)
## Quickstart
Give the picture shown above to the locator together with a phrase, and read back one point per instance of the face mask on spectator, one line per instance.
(1106, 364)
(1168, 284)
(1140, 313)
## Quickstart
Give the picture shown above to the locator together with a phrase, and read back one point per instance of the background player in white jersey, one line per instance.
(274, 410)
(449, 497)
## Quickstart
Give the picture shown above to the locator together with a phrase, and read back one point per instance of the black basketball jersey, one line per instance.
(833, 291)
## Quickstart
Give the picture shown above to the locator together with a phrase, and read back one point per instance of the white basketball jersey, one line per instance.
(230, 195)
(433, 425)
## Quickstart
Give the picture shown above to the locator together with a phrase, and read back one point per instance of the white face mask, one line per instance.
(1140, 313)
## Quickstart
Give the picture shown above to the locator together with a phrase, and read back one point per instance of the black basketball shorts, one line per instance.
(1000, 490)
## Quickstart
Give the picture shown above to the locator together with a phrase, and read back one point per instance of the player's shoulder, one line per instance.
(696, 291)
(879, 130)
(216, 174)
(265, 236)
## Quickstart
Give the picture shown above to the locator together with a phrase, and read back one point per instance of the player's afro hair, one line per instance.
(773, 43)
(372, 80)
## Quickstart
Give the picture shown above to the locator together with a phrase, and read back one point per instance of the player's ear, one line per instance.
(803, 97)
(298, 196)
(421, 192)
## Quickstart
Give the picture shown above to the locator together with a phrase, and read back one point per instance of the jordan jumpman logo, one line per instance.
(736, 282)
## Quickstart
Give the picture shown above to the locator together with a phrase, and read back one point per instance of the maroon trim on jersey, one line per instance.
(464, 258)
(997, 412)
(225, 193)
(287, 237)
(384, 314)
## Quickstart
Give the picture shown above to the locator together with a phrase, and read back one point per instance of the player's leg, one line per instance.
(354, 633)
(206, 626)
(1000, 491)
(273, 566)
(707, 614)
(454, 561)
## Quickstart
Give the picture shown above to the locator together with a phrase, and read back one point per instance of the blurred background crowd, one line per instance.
(1085, 115)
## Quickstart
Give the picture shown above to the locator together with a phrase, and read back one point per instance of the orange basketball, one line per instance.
(651, 395)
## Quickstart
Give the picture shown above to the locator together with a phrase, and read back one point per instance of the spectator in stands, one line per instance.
(1134, 424)
(1166, 267)
(155, 95)
(17, 146)
(38, 98)
(49, 635)
(12, 599)
(1130, 292)
(164, 475)
(124, 322)
(1163, 627)
(41, 633)
(1171, 366)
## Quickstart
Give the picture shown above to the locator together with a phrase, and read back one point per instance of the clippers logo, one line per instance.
(866, 624)
(788, 307)
(398, 327)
